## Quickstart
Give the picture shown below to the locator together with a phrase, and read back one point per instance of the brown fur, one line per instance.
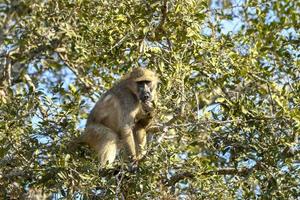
(120, 119)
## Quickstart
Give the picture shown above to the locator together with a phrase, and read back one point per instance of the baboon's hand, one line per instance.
(148, 106)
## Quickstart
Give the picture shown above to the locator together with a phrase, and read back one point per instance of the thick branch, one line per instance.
(164, 11)
(176, 178)
(225, 171)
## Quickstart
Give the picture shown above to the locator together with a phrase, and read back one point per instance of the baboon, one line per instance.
(120, 118)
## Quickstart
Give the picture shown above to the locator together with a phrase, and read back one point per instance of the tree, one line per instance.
(228, 118)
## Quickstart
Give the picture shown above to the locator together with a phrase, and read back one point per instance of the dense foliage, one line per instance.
(228, 118)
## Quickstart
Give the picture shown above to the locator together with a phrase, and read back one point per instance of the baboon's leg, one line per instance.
(129, 143)
(103, 140)
(140, 139)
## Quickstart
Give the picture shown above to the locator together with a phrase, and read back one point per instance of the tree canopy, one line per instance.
(228, 116)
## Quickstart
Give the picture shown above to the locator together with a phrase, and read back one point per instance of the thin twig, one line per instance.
(119, 43)
(119, 182)
(272, 101)
(8, 71)
(73, 69)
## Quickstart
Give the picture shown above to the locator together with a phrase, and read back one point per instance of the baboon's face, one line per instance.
(145, 90)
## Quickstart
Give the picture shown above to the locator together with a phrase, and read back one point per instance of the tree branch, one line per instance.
(224, 171)
(73, 69)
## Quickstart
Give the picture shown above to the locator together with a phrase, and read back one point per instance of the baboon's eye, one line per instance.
(143, 82)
